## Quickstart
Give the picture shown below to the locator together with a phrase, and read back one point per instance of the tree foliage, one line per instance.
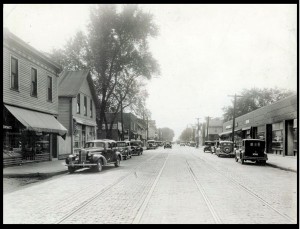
(166, 134)
(117, 53)
(253, 99)
(186, 134)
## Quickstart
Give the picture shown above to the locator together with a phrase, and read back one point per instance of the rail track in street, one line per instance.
(246, 189)
(91, 199)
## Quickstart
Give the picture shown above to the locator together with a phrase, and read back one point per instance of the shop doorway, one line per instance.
(269, 138)
(289, 138)
(54, 146)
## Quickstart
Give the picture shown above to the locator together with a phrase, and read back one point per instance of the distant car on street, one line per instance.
(192, 143)
(251, 150)
(208, 146)
(124, 148)
(182, 144)
(95, 154)
(168, 145)
(225, 149)
(151, 144)
(136, 147)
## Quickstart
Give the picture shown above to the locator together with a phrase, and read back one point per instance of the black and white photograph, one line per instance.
(150, 113)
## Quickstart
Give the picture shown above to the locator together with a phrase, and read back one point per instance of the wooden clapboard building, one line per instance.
(30, 103)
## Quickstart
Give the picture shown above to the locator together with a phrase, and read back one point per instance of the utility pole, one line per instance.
(233, 120)
(207, 127)
(198, 134)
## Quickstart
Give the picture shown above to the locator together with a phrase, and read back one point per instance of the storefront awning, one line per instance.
(225, 133)
(246, 128)
(37, 121)
(85, 122)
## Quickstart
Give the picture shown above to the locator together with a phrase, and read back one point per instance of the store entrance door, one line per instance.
(289, 138)
(269, 138)
(54, 146)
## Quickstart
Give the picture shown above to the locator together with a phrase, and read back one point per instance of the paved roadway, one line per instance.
(179, 185)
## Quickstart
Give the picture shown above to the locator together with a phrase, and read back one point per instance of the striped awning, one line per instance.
(37, 121)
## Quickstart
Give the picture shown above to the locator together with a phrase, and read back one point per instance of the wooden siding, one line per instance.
(64, 112)
(22, 97)
(64, 147)
(84, 91)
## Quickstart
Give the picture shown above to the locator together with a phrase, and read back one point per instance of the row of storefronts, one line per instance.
(275, 123)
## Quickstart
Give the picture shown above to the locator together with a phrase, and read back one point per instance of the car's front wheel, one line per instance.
(242, 160)
(71, 169)
(98, 167)
(117, 163)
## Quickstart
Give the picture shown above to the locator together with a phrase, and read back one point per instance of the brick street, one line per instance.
(179, 185)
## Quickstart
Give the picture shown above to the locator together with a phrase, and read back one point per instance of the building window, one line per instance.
(78, 104)
(85, 106)
(33, 82)
(49, 88)
(91, 107)
(277, 138)
(14, 74)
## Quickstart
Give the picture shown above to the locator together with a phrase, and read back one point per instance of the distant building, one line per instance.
(215, 127)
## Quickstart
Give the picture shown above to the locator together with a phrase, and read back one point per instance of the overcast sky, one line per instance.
(206, 52)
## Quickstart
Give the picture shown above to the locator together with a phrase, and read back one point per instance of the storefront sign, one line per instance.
(7, 127)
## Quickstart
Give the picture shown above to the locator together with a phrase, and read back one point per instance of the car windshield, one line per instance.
(121, 144)
(94, 144)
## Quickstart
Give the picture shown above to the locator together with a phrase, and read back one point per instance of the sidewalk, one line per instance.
(288, 163)
(52, 168)
(36, 169)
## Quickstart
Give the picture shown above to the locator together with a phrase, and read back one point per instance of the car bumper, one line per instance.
(80, 165)
(255, 158)
(227, 154)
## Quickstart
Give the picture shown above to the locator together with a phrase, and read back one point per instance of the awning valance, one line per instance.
(225, 133)
(246, 128)
(37, 121)
(85, 122)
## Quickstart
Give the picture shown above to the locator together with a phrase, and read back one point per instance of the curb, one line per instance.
(280, 167)
(28, 175)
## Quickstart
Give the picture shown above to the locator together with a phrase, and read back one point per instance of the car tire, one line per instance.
(263, 162)
(71, 169)
(218, 155)
(98, 167)
(242, 160)
(117, 163)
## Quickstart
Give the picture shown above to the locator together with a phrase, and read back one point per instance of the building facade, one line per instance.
(30, 103)
(134, 128)
(211, 129)
(77, 101)
(275, 123)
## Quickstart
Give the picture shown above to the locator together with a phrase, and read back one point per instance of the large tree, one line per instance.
(116, 45)
(166, 134)
(186, 134)
(253, 99)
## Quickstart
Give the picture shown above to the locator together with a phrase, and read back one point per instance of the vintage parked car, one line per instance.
(124, 148)
(151, 144)
(136, 147)
(225, 148)
(95, 154)
(208, 145)
(252, 150)
(168, 145)
(192, 143)
(182, 144)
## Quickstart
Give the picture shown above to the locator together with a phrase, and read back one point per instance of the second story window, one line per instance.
(14, 74)
(33, 82)
(91, 107)
(85, 106)
(49, 89)
(78, 103)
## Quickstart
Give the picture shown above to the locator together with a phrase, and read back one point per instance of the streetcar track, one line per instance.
(142, 208)
(102, 191)
(201, 190)
(249, 191)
